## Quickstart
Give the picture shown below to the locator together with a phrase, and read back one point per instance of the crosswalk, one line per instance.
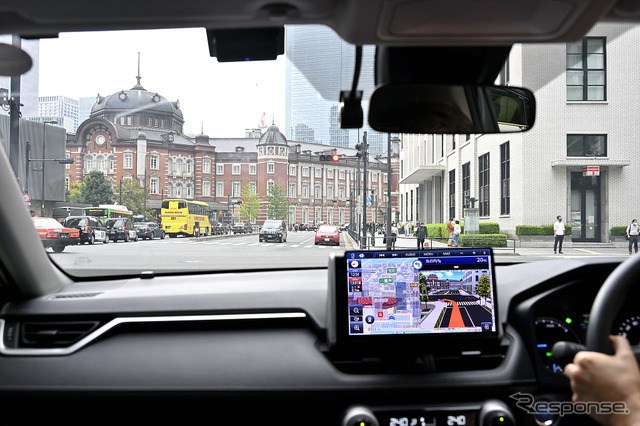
(305, 245)
(475, 302)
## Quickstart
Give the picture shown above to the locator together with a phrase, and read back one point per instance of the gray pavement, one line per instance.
(573, 250)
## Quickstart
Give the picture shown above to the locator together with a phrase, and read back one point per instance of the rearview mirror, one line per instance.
(424, 108)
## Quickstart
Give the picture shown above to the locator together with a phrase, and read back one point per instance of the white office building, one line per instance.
(587, 109)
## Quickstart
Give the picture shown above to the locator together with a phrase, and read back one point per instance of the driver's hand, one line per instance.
(598, 377)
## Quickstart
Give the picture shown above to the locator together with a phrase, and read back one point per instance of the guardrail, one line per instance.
(478, 242)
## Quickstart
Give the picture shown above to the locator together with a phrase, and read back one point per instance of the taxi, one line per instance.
(55, 235)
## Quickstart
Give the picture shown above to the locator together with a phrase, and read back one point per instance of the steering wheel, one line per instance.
(608, 302)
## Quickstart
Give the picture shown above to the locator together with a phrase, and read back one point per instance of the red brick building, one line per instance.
(137, 134)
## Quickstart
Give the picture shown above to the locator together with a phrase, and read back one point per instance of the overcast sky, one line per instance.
(223, 99)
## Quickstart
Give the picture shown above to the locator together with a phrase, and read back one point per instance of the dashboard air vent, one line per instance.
(54, 334)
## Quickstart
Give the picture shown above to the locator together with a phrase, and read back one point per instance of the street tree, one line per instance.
(424, 287)
(96, 189)
(74, 193)
(250, 208)
(483, 288)
(278, 203)
(133, 194)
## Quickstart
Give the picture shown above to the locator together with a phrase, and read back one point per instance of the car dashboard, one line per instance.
(245, 348)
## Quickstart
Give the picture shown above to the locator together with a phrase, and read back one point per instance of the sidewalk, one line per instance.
(410, 243)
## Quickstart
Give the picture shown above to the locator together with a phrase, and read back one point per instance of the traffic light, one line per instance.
(330, 157)
(359, 149)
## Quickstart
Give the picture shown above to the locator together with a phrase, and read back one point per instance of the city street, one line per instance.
(206, 253)
(245, 252)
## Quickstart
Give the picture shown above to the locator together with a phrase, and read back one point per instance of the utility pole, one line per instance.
(365, 154)
(389, 179)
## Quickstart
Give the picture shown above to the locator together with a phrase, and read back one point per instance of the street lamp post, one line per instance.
(44, 156)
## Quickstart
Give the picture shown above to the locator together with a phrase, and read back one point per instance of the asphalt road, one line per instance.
(233, 252)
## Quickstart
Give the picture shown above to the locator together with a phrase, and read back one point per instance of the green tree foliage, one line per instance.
(250, 209)
(96, 189)
(424, 287)
(278, 203)
(133, 194)
(484, 286)
(74, 193)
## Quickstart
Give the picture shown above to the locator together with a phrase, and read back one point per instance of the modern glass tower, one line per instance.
(320, 65)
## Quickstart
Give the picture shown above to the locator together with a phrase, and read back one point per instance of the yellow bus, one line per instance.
(185, 217)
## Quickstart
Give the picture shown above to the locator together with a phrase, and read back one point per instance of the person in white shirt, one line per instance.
(457, 229)
(558, 232)
(632, 234)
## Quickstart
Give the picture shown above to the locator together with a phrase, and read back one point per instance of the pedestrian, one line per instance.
(421, 234)
(450, 231)
(372, 231)
(394, 234)
(558, 233)
(456, 233)
(632, 233)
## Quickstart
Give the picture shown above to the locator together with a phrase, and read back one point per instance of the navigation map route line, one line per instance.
(456, 316)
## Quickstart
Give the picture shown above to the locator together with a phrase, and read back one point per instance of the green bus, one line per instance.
(107, 211)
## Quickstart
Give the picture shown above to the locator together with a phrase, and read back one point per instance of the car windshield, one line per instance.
(199, 147)
(327, 228)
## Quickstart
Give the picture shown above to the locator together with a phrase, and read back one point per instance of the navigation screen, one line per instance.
(430, 291)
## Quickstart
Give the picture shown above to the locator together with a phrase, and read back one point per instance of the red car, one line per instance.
(328, 234)
(54, 235)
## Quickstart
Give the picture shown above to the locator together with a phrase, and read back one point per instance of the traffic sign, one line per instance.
(26, 197)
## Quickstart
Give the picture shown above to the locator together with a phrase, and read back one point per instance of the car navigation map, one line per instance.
(427, 291)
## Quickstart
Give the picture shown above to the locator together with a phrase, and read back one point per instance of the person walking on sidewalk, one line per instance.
(558, 233)
(632, 234)
(394, 235)
(450, 231)
(456, 233)
(421, 234)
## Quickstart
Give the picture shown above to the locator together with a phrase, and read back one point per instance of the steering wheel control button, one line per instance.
(370, 319)
(360, 416)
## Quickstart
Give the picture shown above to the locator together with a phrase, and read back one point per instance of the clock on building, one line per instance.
(100, 140)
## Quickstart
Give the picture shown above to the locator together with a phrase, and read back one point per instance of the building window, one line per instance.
(341, 192)
(292, 190)
(220, 169)
(271, 151)
(206, 188)
(189, 191)
(206, 166)
(128, 160)
(253, 186)
(318, 192)
(586, 70)
(111, 164)
(384, 178)
(235, 169)
(318, 172)
(154, 185)
(505, 173)
(329, 192)
(271, 168)
(305, 190)
(153, 161)
(452, 194)
(236, 188)
(466, 185)
(177, 190)
(292, 170)
(150, 123)
(252, 169)
(330, 215)
(305, 172)
(270, 186)
(178, 167)
(129, 121)
(341, 174)
(219, 189)
(330, 173)
(483, 183)
(586, 145)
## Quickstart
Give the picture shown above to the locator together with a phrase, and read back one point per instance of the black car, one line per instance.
(91, 228)
(273, 230)
(121, 229)
(149, 230)
(242, 228)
